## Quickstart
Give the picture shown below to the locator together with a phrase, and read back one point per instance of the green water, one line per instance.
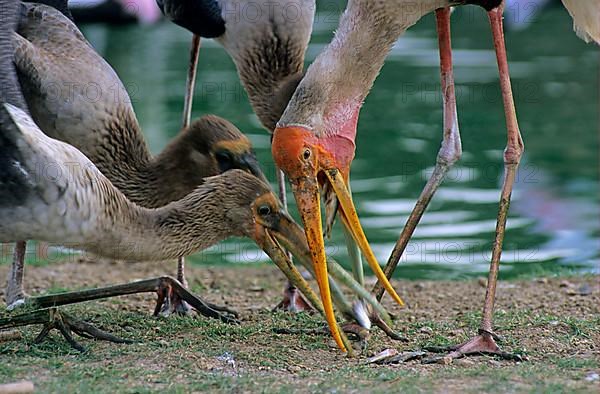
(553, 222)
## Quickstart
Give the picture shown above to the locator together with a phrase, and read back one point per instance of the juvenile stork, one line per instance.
(51, 52)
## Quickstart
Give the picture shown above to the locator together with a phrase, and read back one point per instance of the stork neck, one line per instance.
(342, 75)
(150, 181)
(178, 229)
(268, 50)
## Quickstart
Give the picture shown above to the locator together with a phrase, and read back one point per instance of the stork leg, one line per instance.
(52, 318)
(165, 287)
(485, 342)
(15, 294)
(191, 81)
(177, 305)
(448, 154)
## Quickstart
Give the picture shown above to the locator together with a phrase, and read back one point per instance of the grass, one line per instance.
(558, 331)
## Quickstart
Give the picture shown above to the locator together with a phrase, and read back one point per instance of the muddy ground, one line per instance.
(553, 322)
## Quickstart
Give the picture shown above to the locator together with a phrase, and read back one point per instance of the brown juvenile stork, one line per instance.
(79, 207)
(57, 67)
(314, 140)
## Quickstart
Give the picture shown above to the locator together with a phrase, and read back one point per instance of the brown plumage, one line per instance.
(75, 96)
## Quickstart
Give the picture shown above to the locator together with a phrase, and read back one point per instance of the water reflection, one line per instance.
(553, 221)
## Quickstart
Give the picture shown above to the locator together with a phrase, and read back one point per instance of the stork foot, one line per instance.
(294, 302)
(171, 295)
(52, 318)
(174, 305)
(15, 296)
(67, 324)
(482, 344)
(379, 322)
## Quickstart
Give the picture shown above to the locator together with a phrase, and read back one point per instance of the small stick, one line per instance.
(11, 335)
(24, 386)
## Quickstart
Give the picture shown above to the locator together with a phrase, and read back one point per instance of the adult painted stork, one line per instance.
(314, 140)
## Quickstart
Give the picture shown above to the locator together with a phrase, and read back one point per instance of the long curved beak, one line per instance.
(350, 221)
(271, 247)
(307, 195)
(290, 234)
(295, 242)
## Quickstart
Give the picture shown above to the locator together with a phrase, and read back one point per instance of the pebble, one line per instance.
(426, 330)
(542, 280)
(464, 362)
(592, 377)
(387, 353)
(294, 368)
(445, 360)
(584, 290)
(565, 283)
(494, 363)
(10, 335)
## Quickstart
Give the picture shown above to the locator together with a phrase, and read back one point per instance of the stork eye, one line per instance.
(306, 154)
(225, 160)
(264, 210)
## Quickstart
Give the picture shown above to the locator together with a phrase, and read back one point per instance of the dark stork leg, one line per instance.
(191, 81)
(165, 287)
(15, 295)
(485, 342)
(176, 305)
(448, 154)
(52, 318)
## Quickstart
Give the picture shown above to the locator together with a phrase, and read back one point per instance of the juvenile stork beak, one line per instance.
(310, 162)
(250, 162)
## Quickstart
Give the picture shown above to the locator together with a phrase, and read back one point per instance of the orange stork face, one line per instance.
(309, 161)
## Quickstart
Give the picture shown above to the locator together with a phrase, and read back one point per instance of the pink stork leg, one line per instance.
(485, 342)
(448, 154)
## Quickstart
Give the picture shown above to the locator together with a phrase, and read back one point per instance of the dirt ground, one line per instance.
(554, 322)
